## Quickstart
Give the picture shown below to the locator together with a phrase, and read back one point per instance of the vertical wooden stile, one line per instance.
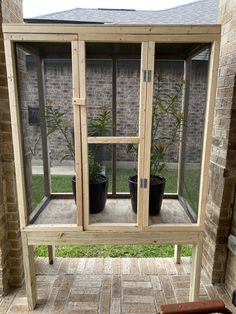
(77, 132)
(29, 269)
(16, 131)
(84, 132)
(209, 116)
(148, 131)
(43, 125)
(183, 131)
(196, 269)
(141, 149)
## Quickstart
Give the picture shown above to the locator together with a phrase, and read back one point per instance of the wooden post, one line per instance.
(177, 253)
(196, 269)
(51, 254)
(29, 268)
(16, 131)
(43, 125)
(114, 71)
(77, 130)
(209, 115)
(185, 107)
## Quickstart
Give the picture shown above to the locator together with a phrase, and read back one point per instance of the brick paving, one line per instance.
(109, 285)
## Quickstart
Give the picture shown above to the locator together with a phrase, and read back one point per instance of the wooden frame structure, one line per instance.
(83, 232)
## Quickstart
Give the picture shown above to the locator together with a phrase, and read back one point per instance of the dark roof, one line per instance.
(199, 12)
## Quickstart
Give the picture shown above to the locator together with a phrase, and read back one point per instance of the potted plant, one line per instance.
(164, 106)
(99, 126)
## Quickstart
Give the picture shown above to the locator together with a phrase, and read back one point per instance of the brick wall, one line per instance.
(99, 92)
(11, 270)
(220, 215)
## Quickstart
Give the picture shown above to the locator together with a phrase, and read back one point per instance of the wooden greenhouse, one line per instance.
(146, 46)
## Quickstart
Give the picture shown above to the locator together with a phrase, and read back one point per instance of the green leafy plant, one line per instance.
(98, 126)
(164, 105)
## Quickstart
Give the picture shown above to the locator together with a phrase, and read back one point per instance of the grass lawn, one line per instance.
(63, 184)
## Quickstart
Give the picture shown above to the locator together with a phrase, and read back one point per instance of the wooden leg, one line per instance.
(177, 254)
(30, 276)
(51, 253)
(196, 270)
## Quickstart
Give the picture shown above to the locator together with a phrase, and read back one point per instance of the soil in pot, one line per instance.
(157, 187)
(97, 193)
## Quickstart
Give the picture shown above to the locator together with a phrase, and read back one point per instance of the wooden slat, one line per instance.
(41, 37)
(84, 132)
(174, 227)
(209, 116)
(77, 131)
(183, 130)
(196, 270)
(180, 38)
(43, 125)
(62, 196)
(148, 132)
(114, 28)
(29, 269)
(48, 237)
(141, 148)
(113, 140)
(16, 132)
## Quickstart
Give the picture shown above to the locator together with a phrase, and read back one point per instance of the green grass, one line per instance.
(152, 250)
(63, 184)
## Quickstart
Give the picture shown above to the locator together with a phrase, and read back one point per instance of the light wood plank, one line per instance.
(148, 132)
(209, 116)
(113, 140)
(30, 276)
(16, 132)
(196, 270)
(183, 130)
(43, 125)
(114, 28)
(180, 38)
(39, 37)
(141, 148)
(77, 132)
(49, 237)
(84, 132)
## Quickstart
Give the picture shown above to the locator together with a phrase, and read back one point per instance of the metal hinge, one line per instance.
(143, 183)
(147, 75)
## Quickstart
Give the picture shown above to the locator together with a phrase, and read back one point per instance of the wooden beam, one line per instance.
(43, 125)
(16, 132)
(196, 270)
(184, 127)
(29, 268)
(84, 132)
(114, 82)
(47, 236)
(141, 148)
(40, 37)
(113, 140)
(209, 116)
(114, 29)
(62, 196)
(148, 132)
(77, 130)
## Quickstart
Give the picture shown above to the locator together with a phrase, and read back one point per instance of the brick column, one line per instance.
(11, 268)
(220, 206)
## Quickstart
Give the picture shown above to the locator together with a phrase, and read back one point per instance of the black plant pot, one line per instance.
(157, 188)
(97, 193)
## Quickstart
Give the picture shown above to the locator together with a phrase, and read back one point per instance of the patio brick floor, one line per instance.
(110, 285)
